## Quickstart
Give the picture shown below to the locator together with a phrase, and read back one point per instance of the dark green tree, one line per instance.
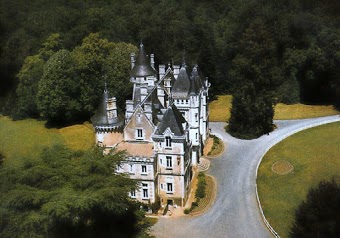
(29, 76)
(57, 96)
(256, 76)
(318, 216)
(67, 194)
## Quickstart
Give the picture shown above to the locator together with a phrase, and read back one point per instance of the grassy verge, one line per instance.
(220, 110)
(300, 111)
(314, 153)
(202, 204)
(26, 138)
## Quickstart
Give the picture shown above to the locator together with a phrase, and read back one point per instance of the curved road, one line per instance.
(235, 212)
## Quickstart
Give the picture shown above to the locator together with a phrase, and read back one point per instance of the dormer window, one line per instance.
(139, 134)
(167, 141)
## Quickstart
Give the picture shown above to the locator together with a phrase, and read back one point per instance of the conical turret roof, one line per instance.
(100, 118)
(182, 85)
(142, 66)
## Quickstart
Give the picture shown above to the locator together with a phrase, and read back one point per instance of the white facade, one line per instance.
(164, 130)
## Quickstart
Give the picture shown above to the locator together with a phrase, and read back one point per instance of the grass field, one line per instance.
(20, 139)
(315, 155)
(220, 110)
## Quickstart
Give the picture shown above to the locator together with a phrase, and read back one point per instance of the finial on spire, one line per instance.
(105, 83)
(183, 59)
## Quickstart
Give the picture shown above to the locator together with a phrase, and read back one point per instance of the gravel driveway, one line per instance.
(235, 213)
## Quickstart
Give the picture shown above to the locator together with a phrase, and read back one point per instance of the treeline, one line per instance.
(303, 35)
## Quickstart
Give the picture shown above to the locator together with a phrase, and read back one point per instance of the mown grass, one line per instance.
(315, 155)
(220, 110)
(27, 138)
(300, 111)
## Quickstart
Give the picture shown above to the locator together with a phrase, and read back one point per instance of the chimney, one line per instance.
(161, 70)
(176, 71)
(132, 57)
(152, 60)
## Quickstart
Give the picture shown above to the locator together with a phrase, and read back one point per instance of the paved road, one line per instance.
(235, 212)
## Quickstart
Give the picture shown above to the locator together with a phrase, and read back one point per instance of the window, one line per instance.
(169, 162)
(168, 141)
(169, 188)
(143, 168)
(132, 169)
(133, 193)
(145, 193)
(139, 134)
(196, 117)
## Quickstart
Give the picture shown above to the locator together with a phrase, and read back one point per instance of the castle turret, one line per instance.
(106, 119)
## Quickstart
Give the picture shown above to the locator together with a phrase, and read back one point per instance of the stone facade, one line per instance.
(164, 129)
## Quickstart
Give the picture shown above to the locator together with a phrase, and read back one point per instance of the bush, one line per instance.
(200, 191)
(317, 216)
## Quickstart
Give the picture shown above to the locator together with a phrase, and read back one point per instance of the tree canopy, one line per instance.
(67, 194)
(65, 86)
(304, 38)
(317, 216)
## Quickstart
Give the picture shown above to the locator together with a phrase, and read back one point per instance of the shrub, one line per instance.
(317, 216)
(200, 192)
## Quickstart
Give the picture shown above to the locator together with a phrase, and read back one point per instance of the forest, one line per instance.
(297, 43)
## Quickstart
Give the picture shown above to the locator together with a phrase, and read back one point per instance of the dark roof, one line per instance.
(193, 86)
(142, 66)
(100, 117)
(182, 85)
(198, 76)
(172, 119)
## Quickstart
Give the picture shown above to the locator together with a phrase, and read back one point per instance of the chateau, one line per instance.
(163, 131)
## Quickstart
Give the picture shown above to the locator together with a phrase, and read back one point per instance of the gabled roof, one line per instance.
(142, 66)
(172, 119)
(182, 85)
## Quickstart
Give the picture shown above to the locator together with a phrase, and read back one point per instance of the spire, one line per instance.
(142, 66)
(182, 85)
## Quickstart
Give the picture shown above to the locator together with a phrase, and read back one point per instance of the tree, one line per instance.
(71, 83)
(57, 96)
(67, 194)
(29, 76)
(318, 215)
(256, 76)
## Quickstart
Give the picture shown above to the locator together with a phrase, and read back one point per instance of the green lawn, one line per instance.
(315, 155)
(220, 110)
(19, 139)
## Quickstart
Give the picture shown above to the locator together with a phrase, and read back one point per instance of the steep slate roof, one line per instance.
(172, 119)
(198, 77)
(182, 85)
(142, 66)
(193, 86)
(100, 117)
